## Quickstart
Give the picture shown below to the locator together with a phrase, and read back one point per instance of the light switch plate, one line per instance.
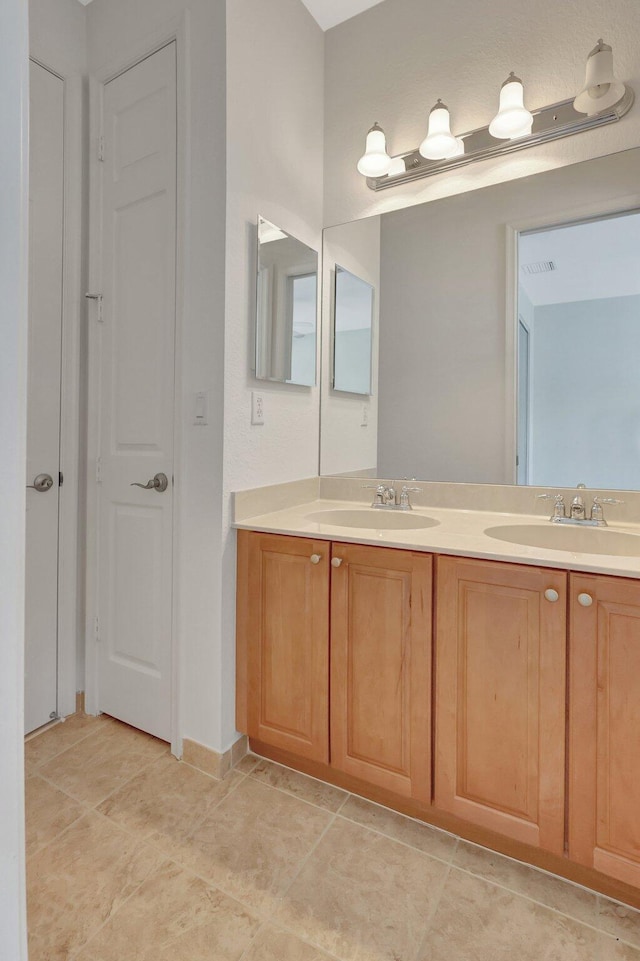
(201, 412)
(257, 407)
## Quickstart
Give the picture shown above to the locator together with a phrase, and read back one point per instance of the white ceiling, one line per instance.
(328, 13)
(593, 260)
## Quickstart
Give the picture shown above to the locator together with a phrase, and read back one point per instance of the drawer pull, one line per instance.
(315, 558)
(336, 561)
(585, 599)
(551, 595)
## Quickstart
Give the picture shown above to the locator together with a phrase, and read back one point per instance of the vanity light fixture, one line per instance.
(512, 119)
(601, 89)
(375, 161)
(603, 100)
(440, 143)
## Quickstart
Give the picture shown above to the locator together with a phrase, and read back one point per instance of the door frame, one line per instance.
(176, 30)
(69, 595)
(593, 211)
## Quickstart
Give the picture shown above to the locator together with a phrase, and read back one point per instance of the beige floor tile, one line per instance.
(80, 879)
(363, 897)
(307, 788)
(174, 917)
(619, 920)
(247, 764)
(253, 843)
(166, 800)
(613, 950)
(103, 762)
(400, 828)
(47, 813)
(477, 921)
(561, 895)
(60, 737)
(274, 945)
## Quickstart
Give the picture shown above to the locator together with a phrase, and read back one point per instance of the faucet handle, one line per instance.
(373, 487)
(410, 490)
(559, 509)
(606, 500)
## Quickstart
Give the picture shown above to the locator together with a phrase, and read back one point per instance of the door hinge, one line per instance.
(99, 299)
(97, 630)
(101, 149)
(60, 478)
(98, 470)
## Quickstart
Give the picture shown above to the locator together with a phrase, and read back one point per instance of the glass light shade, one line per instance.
(398, 166)
(440, 143)
(375, 162)
(601, 89)
(512, 119)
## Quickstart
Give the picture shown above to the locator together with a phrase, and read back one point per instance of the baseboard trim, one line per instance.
(211, 762)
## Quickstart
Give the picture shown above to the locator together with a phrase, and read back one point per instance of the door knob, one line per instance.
(42, 483)
(336, 561)
(585, 600)
(315, 558)
(551, 595)
(158, 483)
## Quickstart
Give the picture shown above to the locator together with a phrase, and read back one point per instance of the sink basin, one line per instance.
(577, 540)
(377, 520)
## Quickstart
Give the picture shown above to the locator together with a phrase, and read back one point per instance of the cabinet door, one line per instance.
(381, 667)
(604, 725)
(500, 698)
(283, 642)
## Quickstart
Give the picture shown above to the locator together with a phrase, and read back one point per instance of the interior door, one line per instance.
(46, 197)
(136, 402)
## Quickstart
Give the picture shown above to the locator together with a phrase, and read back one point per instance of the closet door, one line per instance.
(500, 698)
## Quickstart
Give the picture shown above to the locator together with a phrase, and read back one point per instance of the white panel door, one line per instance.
(136, 402)
(46, 198)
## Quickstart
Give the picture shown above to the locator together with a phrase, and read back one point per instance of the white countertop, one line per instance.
(459, 532)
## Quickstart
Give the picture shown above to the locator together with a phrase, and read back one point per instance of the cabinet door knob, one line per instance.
(551, 595)
(336, 561)
(315, 558)
(585, 599)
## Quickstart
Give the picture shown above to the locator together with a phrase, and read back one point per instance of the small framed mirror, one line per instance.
(352, 333)
(287, 308)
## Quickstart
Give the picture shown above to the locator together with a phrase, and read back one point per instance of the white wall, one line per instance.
(275, 83)
(443, 413)
(57, 35)
(115, 27)
(14, 102)
(346, 445)
(585, 401)
(391, 63)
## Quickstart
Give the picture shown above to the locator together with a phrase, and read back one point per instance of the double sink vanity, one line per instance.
(478, 669)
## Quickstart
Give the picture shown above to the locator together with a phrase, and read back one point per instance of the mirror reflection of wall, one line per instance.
(579, 414)
(286, 319)
(352, 323)
(446, 375)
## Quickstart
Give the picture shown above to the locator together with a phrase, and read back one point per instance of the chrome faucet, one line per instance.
(387, 498)
(577, 512)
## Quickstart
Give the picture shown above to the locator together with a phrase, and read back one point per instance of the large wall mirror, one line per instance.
(507, 342)
(286, 309)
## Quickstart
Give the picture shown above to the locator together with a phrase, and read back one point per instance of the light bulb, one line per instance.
(375, 162)
(512, 120)
(601, 89)
(440, 143)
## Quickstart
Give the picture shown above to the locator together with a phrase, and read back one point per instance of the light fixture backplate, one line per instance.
(549, 123)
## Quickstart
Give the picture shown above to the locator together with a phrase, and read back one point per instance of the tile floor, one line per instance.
(133, 856)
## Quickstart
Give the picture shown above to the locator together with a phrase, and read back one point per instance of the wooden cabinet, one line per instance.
(500, 698)
(381, 667)
(283, 653)
(378, 638)
(604, 728)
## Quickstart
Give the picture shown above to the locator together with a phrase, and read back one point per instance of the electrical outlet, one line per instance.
(365, 416)
(257, 407)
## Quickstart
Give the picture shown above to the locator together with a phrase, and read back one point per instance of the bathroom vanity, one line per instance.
(488, 687)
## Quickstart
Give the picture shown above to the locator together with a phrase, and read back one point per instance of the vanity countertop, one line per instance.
(459, 532)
